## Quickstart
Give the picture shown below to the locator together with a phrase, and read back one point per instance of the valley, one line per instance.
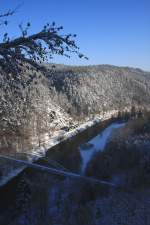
(92, 201)
(89, 122)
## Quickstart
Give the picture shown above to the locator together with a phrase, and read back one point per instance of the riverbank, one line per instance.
(56, 148)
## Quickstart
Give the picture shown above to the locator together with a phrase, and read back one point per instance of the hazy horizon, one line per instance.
(99, 64)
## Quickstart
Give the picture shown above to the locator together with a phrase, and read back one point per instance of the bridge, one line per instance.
(56, 169)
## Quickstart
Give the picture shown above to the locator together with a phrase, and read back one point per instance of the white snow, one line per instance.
(58, 137)
(97, 143)
(40, 151)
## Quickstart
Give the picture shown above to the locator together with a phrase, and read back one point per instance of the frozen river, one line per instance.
(96, 144)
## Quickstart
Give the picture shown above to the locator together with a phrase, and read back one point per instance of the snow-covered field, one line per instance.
(96, 144)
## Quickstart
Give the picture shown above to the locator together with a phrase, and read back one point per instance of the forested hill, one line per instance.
(95, 89)
(39, 102)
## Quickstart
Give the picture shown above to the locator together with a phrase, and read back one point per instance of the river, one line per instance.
(96, 144)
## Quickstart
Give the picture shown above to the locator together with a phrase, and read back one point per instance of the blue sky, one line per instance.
(109, 31)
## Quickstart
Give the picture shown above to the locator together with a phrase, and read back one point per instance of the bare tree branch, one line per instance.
(8, 13)
(37, 47)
